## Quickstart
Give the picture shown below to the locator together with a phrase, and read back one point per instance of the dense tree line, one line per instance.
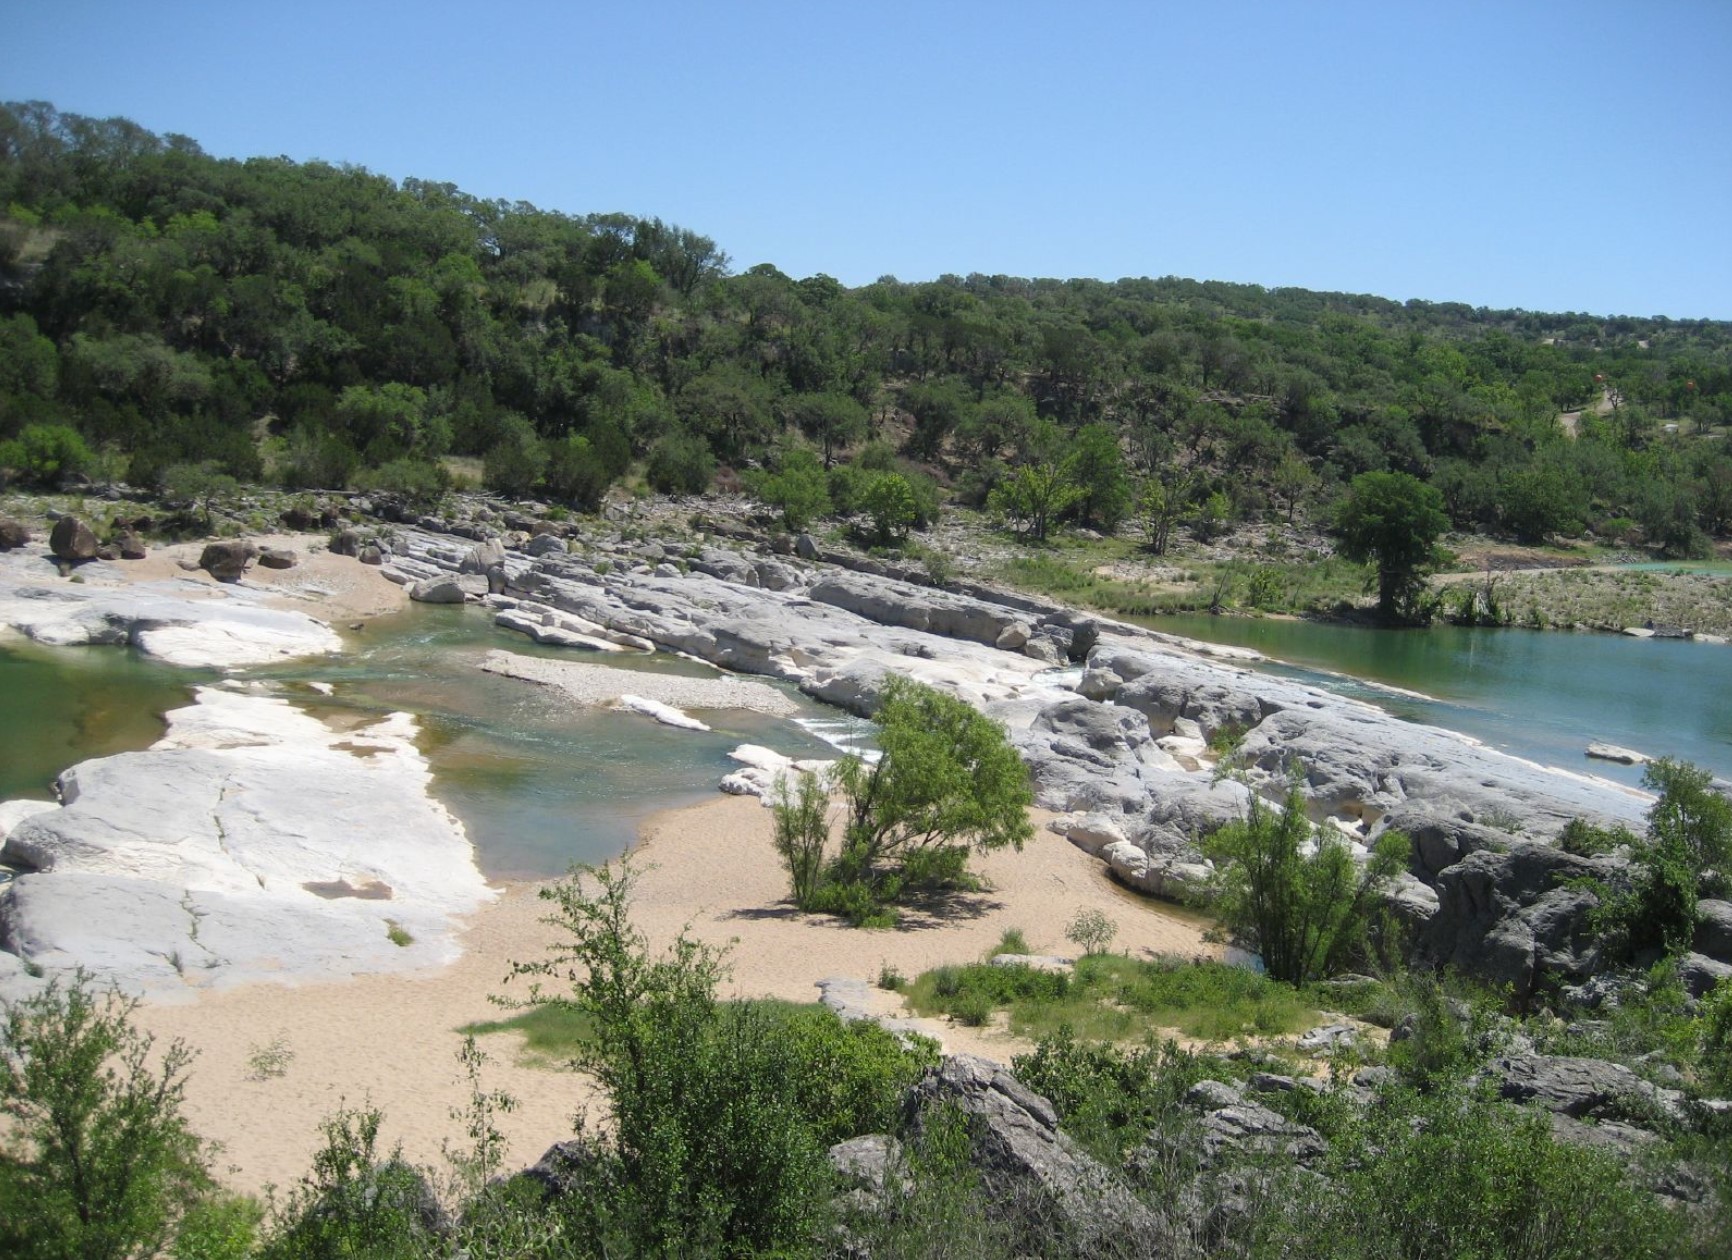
(322, 325)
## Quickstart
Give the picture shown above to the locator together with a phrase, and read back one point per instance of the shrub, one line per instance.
(355, 1203)
(224, 1227)
(1011, 941)
(799, 489)
(100, 1163)
(802, 829)
(721, 1114)
(889, 500)
(680, 464)
(1306, 916)
(1091, 931)
(947, 780)
(45, 454)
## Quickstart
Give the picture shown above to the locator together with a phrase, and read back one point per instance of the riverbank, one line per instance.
(391, 1041)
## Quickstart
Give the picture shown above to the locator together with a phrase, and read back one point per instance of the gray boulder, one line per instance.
(348, 542)
(131, 546)
(483, 556)
(277, 558)
(13, 533)
(444, 589)
(1026, 1164)
(72, 541)
(546, 545)
(1512, 918)
(371, 553)
(1714, 930)
(227, 561)
(1235, 1127)
(1581, 1088)
(1699, 974)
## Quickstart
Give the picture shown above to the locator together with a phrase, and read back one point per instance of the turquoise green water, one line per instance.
(539, 783)
(1545, 696)
(60, 706)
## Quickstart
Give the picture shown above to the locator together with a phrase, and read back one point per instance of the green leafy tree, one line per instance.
(889, 500)
(720, 1113)
(1294, 894)
(680, 464)
(97, 1162)
(831, 420)
(515, 461)
(799, 488)
(1689, 835)
(577, 472)
(203, 484)
(802, 832)
(1096, 470)
(946, 780)
(1393, 520)
(44, 454)
(1032, 497)
(1159, 507)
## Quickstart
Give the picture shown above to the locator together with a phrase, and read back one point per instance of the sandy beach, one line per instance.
(391, 1042)
(335, 589)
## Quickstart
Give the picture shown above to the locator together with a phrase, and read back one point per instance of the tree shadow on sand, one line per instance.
(922, 911)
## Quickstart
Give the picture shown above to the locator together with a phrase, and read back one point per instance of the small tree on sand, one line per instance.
(802, 830)
(1307, 916)
(946, 781)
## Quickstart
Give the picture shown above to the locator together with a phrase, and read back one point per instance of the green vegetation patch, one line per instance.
(1109, 997)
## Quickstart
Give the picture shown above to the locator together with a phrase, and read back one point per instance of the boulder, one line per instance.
(1026, 1163)
(227, 561)
(482, 557)
(1234, 1127)
(132, 546)
(546, 545)
(444, 589)
(348, 542)
(1512, 917)
(371, 553)
(277, 558)
(13, 533)
(1581, 1087)
(806, 547)
(72, 541)
(1714, 930)
(1699, 974)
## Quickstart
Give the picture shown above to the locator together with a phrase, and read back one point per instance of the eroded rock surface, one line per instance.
(250, 843)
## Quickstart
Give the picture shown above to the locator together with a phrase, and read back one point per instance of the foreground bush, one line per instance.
(97, 1162)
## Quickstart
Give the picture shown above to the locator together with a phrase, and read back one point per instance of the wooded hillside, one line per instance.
(320, 325)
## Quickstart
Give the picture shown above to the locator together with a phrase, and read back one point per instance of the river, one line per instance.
(1544, 695)
(541, 784)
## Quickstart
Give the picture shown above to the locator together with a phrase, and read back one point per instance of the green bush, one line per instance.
(98, 1162)
(1455, 1174)
(680, 464)
(223, 1227)
(355, 1202)
(721, 1113)
(45, 454)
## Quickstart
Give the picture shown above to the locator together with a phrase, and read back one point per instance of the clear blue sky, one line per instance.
(1554, 156)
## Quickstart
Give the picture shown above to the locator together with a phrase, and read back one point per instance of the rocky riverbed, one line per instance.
(1115, 722)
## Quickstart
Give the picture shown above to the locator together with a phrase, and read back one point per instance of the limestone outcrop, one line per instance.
(250, 843)
(1121, 745)
(162, 620)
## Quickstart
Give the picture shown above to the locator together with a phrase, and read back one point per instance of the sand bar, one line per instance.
(391, 1040)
